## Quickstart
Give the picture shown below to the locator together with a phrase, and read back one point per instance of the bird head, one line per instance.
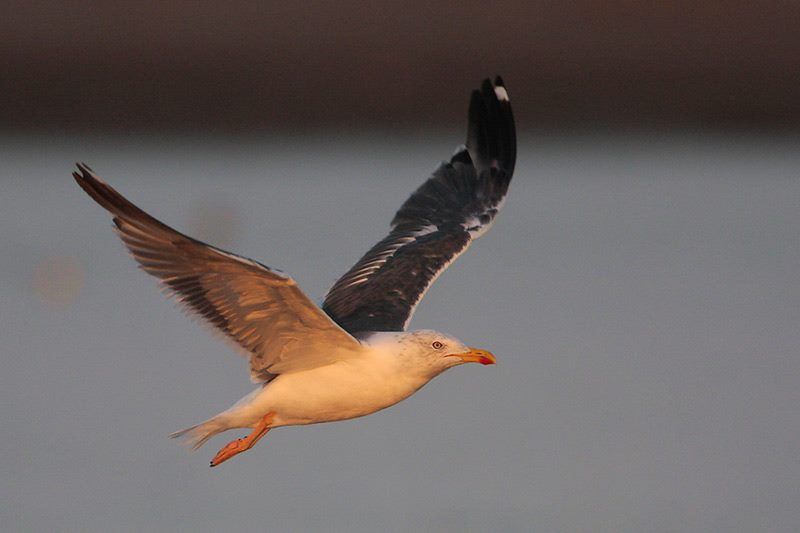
(433, 352)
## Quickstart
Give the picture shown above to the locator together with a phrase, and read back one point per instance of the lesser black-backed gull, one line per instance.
(353, 356)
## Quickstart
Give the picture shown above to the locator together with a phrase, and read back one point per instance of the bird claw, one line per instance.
(229, 450)
(245, 443)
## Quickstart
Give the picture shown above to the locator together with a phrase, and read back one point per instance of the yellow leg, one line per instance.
(238, 446)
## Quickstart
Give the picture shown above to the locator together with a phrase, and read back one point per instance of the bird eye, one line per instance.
(437, 345)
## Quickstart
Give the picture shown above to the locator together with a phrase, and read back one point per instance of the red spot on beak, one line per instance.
(475, 355)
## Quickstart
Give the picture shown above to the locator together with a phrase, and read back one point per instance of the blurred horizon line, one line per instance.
(247, 67)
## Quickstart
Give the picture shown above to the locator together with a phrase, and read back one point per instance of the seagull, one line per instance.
(352, 356)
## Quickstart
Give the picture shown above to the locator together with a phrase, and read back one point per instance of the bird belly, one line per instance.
(339, 391)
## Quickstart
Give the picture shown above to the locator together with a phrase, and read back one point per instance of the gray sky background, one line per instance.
(641, 294)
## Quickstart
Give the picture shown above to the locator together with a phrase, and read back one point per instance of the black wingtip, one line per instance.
(461, 156)
(94, 186)
(108, 198)
(78, 177)
(491, 134)
(85, 171)
(84, 178)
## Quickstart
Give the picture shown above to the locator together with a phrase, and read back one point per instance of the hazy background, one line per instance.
(641, 288)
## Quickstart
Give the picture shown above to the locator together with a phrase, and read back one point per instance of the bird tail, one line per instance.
(491, 135)
(196, 436)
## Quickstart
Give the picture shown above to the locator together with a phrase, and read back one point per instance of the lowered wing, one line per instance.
(261, 310)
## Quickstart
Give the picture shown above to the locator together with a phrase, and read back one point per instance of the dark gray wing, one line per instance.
(262, 310)
(435, 225)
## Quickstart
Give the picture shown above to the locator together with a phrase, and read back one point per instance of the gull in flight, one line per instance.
(353, 356)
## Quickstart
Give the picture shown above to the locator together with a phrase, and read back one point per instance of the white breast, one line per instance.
(343, 390)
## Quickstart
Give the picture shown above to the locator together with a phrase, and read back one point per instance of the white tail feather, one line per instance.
(196, 436)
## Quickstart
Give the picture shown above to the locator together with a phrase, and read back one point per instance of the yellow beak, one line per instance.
(474, 355)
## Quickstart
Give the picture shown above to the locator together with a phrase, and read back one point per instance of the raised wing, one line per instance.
(435, 225)
(263, 311)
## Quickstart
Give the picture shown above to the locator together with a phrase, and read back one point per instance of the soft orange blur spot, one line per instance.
(58, 280)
